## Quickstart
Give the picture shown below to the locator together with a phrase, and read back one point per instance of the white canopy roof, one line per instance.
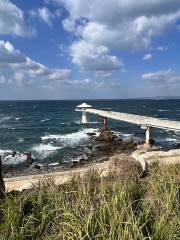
(84, 105)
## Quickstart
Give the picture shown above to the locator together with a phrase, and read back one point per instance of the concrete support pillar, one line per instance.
(84, 117)
(148, 135)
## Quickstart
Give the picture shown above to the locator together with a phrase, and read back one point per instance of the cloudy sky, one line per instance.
(73, 49)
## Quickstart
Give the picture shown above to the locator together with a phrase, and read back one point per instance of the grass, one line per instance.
(91, 207)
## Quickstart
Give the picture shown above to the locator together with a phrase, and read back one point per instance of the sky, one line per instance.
(77, 49)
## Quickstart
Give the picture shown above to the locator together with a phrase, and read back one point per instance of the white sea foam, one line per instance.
(168, 139)
(17, 119)
(4, 118)
(65, 123)
(20, 140)
(53, 164)
(44, 150)
(125, 135)
(8, 159)
(163, 110)
(19, 158)
(3, 152)
(77, 122)
(90, 122)
(95, 122)
(171, 139)
(70, 139)
(108, 108)
(177, 131)
(45, 120)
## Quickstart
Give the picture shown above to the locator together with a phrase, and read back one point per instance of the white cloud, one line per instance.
(127, 25)
(20, 79)
(10, 55)
(2, 79)
(12, 20)
(161, 48)
(43, 14)
(130, 34)
(23, 71)
(59, 74)
(86, 84)
(91, 57)
(164, 78)
(147, 56)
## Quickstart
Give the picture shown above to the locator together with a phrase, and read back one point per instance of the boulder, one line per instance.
(125, 166)
(106, 147)
(106, 135)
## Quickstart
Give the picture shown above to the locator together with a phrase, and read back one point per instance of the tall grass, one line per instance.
(91, 207)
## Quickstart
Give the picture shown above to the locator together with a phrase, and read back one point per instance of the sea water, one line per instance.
(52, 130)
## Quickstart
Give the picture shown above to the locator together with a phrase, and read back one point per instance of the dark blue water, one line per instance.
(51, 130)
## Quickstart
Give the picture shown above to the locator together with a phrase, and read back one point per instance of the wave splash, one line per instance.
(53, 142)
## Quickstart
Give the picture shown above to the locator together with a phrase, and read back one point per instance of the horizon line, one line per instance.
(100, 99)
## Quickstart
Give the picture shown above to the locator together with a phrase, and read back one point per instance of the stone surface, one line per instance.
(106, 135)
(160, 157)
(125, 166)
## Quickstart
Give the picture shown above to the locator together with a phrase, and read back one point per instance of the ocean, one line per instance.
(52, 131)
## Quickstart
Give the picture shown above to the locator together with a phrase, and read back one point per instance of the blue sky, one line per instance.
(73, 49)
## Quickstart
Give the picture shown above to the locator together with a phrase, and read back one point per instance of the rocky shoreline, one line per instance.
(106, 145)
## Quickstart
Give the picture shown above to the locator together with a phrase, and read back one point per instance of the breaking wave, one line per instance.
(44, 150)
(9, 159)
(71, 139)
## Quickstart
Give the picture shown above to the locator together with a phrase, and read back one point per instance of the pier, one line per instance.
(144, 121)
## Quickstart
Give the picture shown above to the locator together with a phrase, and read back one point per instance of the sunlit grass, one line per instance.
(91, 207)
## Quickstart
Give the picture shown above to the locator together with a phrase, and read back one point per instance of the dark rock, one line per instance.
(91, 134)
(82, 161)
(30, 160)
(176, 145)
(14, 154)
(37, 166)
(102, 159)
(75, 164)
(104, 147)
(141, 142)
(152, 142)
(106, 135)
(117, 141)
(90, 147)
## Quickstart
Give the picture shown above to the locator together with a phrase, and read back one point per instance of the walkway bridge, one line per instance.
(144, 121)
(137, 119)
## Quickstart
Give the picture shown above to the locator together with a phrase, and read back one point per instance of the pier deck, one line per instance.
(137, 119)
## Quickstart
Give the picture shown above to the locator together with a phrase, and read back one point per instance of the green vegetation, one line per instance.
(91, 207)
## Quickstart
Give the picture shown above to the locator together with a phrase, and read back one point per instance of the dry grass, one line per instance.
(91, 207)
